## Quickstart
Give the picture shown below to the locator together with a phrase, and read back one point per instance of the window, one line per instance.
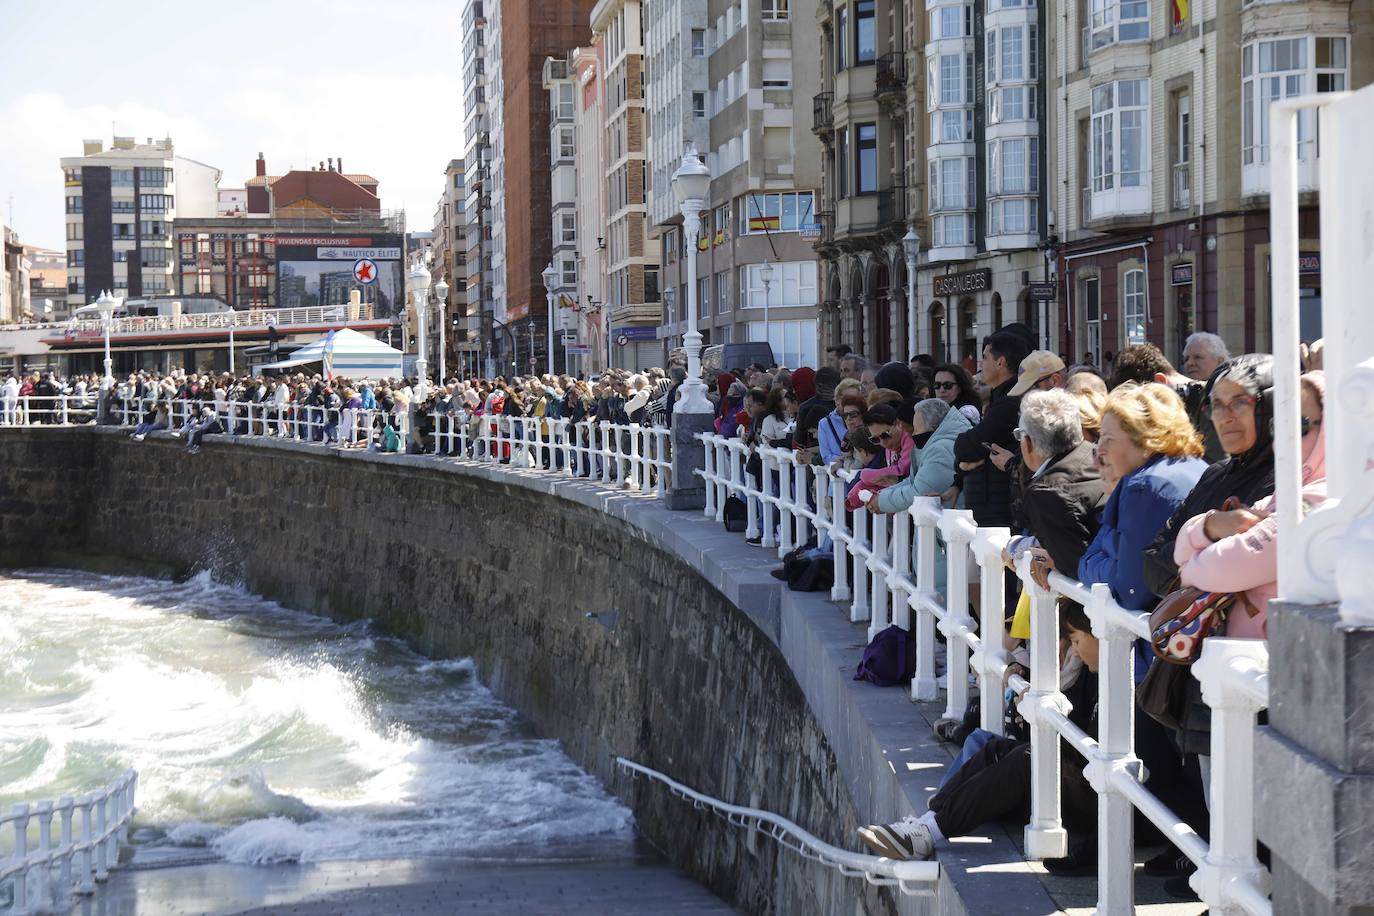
(1182, 150)
(703, 297)
(722, 292)
(566, 143)
(1013, 167)
(775, 212)
(776, 9)
(651, 293)
(155, 257)
(568, 227)
(951, 22)
(952, 126)
(866, 158)
(793, 342)
(841, 163)
(952, 183)
(1120, 150)
(1134, 307)
(153, 178)
(74, 233)
(1119, 20)
(76, 258)
(842, 38)
(1011, 217)
(865, 32)
(122, 177)
(777, 74)
(74, 204)
(565, 100)
(569, 272)
(698, 42)
(154, 229)
(1014, 103)
(154, 203)
(951, 79)
(1281, 69)
(121, 206)
(1013, 61)
(991, 56)
(1088, 291)
(793, 283)
(698, 104)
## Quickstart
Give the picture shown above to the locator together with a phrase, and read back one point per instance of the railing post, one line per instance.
(21, 852)
(44, 811)
(839, 539)
(925, 686)
(87, 884)
(899, 584)
(1045, 837)
(878, 617)
(787, 518)
(102, 866)
(709, 474)
(635, 479)
(65, 405)
(64, 809)
(991, 658)
(604, 429)
(1231, 851)
(956, 611)
(760, 502)
(1115, 753)
(858, 610)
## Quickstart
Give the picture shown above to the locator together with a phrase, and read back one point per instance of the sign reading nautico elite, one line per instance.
(970, 281)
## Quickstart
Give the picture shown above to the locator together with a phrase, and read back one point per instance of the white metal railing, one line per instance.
(631, 456)
(245, 318)
(48, 410)
(886, 572)
(90, 830)
(912, 877)
(343, 427)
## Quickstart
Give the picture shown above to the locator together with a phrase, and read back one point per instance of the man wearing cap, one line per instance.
(1040, 371)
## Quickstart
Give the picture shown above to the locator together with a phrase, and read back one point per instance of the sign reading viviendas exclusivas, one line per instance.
(970, 281)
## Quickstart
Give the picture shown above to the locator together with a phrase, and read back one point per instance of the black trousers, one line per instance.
(995, 784)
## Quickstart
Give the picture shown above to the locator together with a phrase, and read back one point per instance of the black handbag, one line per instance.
(1163, 695)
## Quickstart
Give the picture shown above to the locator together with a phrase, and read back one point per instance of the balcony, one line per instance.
(892, 207)
(890, 77)
(1182, 186)
(218, 323)
(824, 123)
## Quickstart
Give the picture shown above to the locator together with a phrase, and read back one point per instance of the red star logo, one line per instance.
(364, 272)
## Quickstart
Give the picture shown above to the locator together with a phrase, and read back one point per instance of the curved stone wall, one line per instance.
(593, 614)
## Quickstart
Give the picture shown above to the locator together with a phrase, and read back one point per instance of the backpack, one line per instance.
(736, 514)
(391, 440)
(890, 659)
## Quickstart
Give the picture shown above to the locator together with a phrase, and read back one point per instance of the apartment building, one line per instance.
(478, 278)
(757, 275)
(449, 248)
(560, 81)
(632, 301)
(15, 273)
(1162, 162)
(120, 205)
(589, 140)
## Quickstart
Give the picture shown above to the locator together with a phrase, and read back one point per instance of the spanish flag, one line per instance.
(768, 223)
(1180, 14)
(703, 243)
(720, 237)
(566, 302)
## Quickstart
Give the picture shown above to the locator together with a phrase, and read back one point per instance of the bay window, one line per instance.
(952, 126)
(793, 283)
(866, 158)
(1284, 68)
(951, 22)
(865, 32)
(1133, 308)
(1119, 20)
(1120, 142)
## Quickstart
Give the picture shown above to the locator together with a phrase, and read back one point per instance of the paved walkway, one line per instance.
(414, 886)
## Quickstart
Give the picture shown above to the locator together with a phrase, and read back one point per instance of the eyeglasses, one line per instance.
(945, 386)
(1019, 433)
(1233, 408)
(852, 415)
(889, 434)
(1310, 423)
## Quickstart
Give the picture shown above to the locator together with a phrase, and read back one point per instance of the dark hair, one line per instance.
(861, 440)
(1073, 617)
(827, 377)
(1255, 373)
(924, 361)
(853, 400)
(968, 394)
(881, 413)
(774, 406)
(1008, 346)
(758, 395)
(841, 350)
(897, 377)
(1140, 363)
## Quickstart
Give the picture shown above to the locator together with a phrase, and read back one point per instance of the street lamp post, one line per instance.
(419, 290)
(691, 185)
(441, 297)
(911, 244)
(550, 278)
(106, 306)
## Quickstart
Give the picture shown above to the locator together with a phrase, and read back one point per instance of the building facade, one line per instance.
(449, 252)
(589, 146)
(1162, 164)
(560, 81)
(478, 231)
(633, 303)
(757, 272)
(120, 206)
(15, 278)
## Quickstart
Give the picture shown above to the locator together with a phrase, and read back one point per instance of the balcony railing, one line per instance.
(824, 118)
(892, 206)
(827, 221)
(890, 75)
(1183, 185)
(1085, 206)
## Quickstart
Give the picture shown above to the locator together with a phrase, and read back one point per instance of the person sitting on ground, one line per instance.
(197, 430)
(157, 419)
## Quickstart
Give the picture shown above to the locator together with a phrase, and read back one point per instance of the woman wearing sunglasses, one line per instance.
(954, 386)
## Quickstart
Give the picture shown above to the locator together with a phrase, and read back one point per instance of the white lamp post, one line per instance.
(419, 290)
(911, 244)
(691, 185)
(550, 278)
(106, 306)
(766, 274)
(441, 297)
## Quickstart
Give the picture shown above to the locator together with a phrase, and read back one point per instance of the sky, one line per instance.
(375, 83)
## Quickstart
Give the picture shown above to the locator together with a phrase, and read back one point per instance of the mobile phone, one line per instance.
(987, 446)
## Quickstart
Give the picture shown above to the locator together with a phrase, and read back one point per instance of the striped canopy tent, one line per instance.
(348, 353)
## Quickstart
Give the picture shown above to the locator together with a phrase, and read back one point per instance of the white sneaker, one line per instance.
(904, 840)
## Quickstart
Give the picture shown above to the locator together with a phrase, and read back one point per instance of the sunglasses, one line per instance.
(884, 436)
(852, 415)
(945, 386)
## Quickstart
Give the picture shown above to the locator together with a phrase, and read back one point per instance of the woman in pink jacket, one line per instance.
(1238, 551)
(890, 424)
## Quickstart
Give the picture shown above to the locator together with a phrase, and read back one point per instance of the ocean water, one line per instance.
(264, 735)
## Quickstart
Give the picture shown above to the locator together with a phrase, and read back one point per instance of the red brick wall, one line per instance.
(543, 29)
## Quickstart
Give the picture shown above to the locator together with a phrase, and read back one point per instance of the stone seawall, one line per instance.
(593, 614)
